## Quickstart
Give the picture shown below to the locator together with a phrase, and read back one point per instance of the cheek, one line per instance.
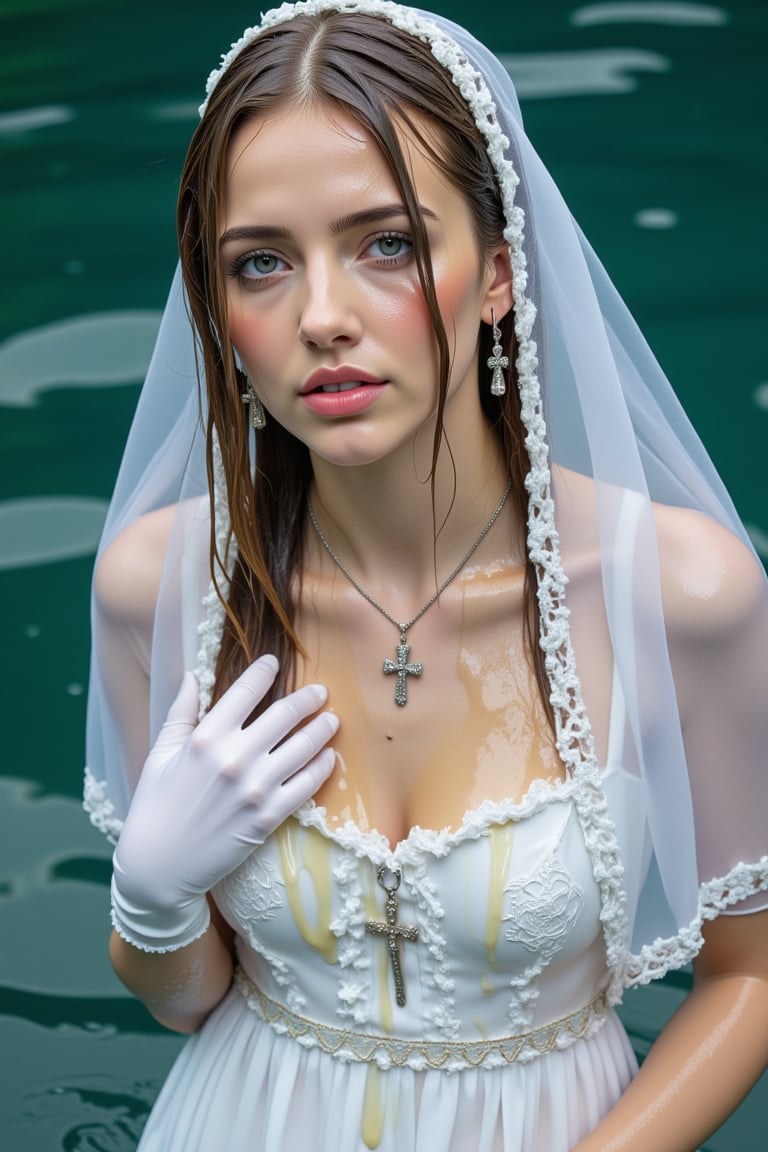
(251, 334)
(457, 296)
(401, 311)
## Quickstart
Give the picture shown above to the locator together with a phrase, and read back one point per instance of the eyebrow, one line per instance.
(343, 224)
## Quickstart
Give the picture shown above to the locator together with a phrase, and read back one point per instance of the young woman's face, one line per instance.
(325, 306)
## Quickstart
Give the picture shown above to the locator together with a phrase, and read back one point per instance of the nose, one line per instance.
(329, 315)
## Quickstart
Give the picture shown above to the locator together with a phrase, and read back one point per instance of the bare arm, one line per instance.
(709, 1054)
(178, 988)
(208, 793)
(716, 1045)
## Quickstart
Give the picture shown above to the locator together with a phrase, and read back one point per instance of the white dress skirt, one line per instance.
(505, 1040)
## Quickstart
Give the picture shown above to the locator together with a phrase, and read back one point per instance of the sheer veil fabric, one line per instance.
(644, 566)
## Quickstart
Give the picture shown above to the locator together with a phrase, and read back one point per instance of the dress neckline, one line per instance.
(420, 842)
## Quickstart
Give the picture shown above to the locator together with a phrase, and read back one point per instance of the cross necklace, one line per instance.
(393, 931)
(402, 667)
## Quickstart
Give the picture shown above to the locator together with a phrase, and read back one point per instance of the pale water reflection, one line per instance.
(40, 530)
(97, 351)
(607, 72)
(28, 119)
(678, 15)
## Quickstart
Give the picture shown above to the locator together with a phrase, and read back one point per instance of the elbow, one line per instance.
(169, 987)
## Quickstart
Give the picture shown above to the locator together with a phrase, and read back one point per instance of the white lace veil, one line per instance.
(609, 444)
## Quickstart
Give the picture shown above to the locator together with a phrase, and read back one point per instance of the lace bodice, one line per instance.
(507, 910)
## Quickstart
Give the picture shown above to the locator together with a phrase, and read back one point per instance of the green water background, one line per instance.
(652, 118)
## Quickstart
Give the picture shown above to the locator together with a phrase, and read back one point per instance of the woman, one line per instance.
(396, 879)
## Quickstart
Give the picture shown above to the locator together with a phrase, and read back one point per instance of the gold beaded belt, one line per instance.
(450, 1055)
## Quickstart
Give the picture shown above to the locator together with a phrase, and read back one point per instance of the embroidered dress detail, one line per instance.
(256, 892)
(543, 909)
(354, 989)
(449, 1056)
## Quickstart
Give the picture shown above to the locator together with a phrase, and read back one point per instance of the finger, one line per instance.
(182, 716)
(303, 746)
(286, 713)
(306, 781)
(185, 706)
(240, 699)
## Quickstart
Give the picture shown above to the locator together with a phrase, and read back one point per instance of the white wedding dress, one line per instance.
(505, 1042)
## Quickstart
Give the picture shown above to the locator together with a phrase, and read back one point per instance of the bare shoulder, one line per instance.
(711, 581)
(128, 572)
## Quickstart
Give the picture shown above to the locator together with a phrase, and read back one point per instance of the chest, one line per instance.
(472, 727)
(488, 914)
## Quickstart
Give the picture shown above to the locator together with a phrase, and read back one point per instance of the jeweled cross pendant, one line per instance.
(496, 363)
(392, 930)
(402, 669)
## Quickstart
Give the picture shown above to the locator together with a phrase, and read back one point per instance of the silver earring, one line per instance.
(497, 362)
(256, 413)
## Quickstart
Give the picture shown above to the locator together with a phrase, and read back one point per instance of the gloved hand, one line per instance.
(208, 794)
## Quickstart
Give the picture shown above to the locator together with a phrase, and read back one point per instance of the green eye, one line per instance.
(395, 246)
(390, 245)
(255, 267)
(264, 263)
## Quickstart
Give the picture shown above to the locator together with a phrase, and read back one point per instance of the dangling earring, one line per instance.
(497, 361)
(257, 414)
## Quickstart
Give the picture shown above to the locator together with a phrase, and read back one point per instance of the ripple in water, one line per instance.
(105, 1121)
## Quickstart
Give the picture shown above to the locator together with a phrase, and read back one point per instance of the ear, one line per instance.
(498, 297)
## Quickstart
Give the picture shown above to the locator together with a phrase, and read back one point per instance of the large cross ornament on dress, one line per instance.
(393, 931)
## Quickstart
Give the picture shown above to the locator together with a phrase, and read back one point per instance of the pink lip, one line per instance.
(347, 403)
(341, 375)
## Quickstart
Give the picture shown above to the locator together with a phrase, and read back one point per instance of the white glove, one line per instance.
(208, 794)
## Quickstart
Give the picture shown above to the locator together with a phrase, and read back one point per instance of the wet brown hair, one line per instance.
(380, 77)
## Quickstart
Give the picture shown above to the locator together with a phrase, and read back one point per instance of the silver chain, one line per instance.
(403, 628)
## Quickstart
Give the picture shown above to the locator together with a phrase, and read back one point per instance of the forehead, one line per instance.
(321, 154)
(298, 139)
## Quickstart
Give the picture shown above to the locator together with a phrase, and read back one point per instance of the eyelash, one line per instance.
(236, 271)
(399, 257)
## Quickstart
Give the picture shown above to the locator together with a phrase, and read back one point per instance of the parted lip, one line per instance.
(344, 374)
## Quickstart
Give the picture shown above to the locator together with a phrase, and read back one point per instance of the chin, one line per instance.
(353, 457)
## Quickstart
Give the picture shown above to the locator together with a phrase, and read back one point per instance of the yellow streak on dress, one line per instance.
(500, 839)
(305, 849)
(372, 1127)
